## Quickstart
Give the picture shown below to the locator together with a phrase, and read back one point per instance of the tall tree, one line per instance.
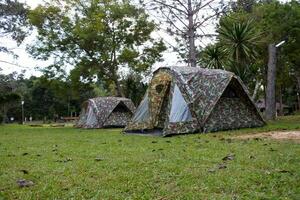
(239, 41)
(98, 37)
(291, 50)
(13, 22)
(280, 21)
(244, 5)
(271, 79)
(188, 21)
(272, 21)
(235, 51)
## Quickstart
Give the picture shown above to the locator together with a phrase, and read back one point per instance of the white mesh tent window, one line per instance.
(82, 116)
(142, 113)
(91, 117)
(180, 111)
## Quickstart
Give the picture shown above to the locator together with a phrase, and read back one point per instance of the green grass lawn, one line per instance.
(62, 164)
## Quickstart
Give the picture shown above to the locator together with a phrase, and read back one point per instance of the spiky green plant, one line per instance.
(213, 57)
(239, 40)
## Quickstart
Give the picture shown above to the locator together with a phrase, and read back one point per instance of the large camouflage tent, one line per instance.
(105, 112)
(183, 100)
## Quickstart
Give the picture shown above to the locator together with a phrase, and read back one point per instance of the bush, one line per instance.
(297, 112)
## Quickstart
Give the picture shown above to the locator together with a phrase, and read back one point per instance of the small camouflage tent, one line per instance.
(186, 100)
(105, 112)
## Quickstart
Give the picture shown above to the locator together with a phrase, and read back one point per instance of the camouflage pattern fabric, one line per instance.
(162, 117)
(118, 119)
(200, 87)
(157, 93)
(102, 108)
(158, 89)
(231, 113)
(202, 90)
(138, 126)
(179, 127)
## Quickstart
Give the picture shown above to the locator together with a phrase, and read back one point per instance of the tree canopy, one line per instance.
(244, 34)
(98, 38)
(13, 22)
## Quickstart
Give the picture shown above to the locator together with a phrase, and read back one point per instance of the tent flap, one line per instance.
(91, 119)
(142, 112)
(180, 111)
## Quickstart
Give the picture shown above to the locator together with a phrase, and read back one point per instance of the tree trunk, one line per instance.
(298, 81)
(117, 83)
(280, 101)
(298, 97)
(4, 112)
(271, 78)
(258, 83)
(191, 35)
(118, 88)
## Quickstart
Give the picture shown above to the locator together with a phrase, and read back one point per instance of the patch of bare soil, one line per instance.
(278, 135)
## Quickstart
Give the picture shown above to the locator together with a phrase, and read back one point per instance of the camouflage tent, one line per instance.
(105, 112)
(186, 100)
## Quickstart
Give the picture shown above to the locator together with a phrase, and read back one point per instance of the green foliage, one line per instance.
(246, 32)
(98, 91)
(134, 88)
(235, 50)
(9, 97)
(7, 101)
(99, 38)
(11, 90)
(243, 5)
(213, 57)
(13, 21)
(239, 40)
(51, 97)
(45, 96)
(137, 167)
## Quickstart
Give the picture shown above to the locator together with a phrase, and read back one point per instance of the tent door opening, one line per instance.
(118, 117)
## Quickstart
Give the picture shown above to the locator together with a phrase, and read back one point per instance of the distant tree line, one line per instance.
(49, 99)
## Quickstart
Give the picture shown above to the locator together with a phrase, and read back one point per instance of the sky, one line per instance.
(32, 66)
(24, 61)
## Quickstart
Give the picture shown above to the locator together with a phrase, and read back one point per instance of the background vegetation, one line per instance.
(110, 48)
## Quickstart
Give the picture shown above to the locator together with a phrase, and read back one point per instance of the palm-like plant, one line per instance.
(213, 57)
(239, 40)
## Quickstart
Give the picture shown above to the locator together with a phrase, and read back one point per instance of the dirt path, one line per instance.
(278, 135)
